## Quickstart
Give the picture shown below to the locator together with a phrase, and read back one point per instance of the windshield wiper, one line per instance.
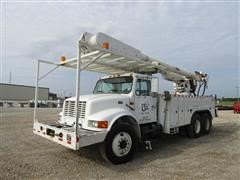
(98, 92)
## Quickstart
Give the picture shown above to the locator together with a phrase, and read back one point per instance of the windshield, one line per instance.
(119, 85)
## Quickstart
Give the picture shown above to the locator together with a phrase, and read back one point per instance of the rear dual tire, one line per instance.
(194, 129)
(206, 123)
(199, 125)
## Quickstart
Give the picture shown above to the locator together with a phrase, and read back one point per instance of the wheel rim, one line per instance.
(121, 144)
(207, 124)
(197, 126)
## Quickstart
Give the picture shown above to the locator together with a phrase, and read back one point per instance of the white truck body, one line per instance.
(128, 96)
(178, 110)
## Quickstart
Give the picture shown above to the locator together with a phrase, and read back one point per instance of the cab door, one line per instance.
(145, 105)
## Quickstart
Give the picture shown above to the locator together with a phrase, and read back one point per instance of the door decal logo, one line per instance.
(145, 107)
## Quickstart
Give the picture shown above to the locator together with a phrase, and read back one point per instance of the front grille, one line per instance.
(69, 109)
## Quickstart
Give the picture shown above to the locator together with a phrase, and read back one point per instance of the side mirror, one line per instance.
(167, 95)
(154, 85)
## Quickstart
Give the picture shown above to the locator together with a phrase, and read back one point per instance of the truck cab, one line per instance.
(114, 97)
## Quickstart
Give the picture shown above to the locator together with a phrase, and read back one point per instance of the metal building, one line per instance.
(14, 92)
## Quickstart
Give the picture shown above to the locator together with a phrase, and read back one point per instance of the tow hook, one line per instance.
(148, 145)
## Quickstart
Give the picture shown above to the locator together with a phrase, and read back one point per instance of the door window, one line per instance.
(143, 87)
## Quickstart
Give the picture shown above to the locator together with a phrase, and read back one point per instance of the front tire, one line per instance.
(194, 129)
(120, 144)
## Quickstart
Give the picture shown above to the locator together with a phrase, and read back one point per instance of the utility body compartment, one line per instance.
(178, 111)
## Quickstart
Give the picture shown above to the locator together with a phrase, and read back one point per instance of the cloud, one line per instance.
(192, 36)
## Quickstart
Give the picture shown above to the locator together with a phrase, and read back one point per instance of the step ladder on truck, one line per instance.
(125, 108)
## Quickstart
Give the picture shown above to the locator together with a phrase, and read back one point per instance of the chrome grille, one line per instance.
(69, 109)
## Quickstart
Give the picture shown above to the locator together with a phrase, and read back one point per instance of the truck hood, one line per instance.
(98, 107)
(99, 97)
(97, 103)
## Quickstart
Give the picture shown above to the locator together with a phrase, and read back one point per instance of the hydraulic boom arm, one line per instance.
(105, 54)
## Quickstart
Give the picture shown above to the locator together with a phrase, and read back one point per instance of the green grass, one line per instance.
(226, 103)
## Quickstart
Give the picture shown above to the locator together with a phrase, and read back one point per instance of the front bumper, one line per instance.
(66, 135)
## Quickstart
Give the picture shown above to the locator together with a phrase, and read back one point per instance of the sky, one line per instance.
(194, 36)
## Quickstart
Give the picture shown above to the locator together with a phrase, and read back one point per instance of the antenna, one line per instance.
(10, 78)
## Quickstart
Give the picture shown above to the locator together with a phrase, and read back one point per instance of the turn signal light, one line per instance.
(102, 124)
(105, 45)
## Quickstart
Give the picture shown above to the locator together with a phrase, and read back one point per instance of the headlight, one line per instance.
(98, 124)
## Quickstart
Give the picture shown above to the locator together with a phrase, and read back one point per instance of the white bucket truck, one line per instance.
(126, 107)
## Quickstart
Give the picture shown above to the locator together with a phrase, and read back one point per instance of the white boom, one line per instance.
(104, 54)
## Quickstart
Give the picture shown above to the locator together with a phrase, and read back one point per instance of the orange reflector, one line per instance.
(102, 124)
(62, 58)
(105, 45)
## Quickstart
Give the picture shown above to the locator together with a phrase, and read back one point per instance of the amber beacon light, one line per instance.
(105, 45)
(62, 58)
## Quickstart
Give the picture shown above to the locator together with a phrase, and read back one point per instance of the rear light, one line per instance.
(60, 135)
(69, 139)
(78, 138)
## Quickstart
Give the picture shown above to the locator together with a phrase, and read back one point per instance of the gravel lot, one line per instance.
(24, 155)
